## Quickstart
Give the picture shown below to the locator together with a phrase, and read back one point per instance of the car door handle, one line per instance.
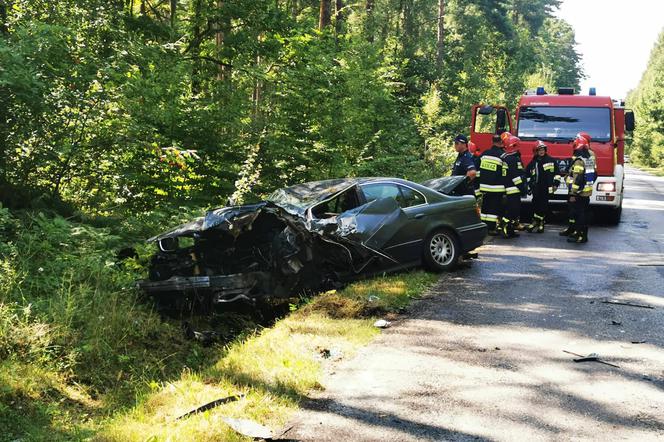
(419, 216)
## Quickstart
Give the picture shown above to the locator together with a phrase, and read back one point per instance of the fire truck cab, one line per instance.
(556, 119)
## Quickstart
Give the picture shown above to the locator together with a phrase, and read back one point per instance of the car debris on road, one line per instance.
(592, 357)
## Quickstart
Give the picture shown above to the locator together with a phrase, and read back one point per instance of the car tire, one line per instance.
(441, 250)
(613, 216)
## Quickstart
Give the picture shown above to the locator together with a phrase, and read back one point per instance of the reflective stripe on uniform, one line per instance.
(578, 169)
(492, 159)
(492, 188)
(548, 167)
(512, 190)
(488, 217)
(517, 180)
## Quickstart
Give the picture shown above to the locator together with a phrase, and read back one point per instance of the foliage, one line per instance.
(120, 118)
(118, 107)
(647, 101)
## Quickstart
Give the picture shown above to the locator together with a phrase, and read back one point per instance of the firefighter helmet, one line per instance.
(504, 137)
(512, 144)
(472, 148)
(539, 145)
(581, 141)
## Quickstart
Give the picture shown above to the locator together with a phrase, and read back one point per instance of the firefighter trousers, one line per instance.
(512, 208)
(492, 208)
(541, 202)
(577, 211)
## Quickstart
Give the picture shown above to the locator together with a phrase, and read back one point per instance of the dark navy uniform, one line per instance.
(463, 164)
(541, 173)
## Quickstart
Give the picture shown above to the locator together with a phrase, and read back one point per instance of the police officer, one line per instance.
(464, 165)
(492, 185)
(541, 173)
(514, 186)
(580, 181)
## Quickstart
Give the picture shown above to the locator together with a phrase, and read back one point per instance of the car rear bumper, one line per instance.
(472, 236)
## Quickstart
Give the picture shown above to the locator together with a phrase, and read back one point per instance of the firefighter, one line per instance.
(580, 181)
(541, 177)
(475, 152)
(492, 185)
(514, 186)
(464, 165)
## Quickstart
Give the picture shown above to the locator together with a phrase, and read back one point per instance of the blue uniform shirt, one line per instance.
(464, 162)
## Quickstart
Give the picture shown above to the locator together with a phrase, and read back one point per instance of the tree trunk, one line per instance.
(143, 8)
(220, 25)
(196, 30)
(369, 25)
(174, 8)
(408, 28)
(325, 16)
(3, 18)
(339, 17)
(440, 38)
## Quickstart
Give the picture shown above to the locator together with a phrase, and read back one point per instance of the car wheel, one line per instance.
(441, 250)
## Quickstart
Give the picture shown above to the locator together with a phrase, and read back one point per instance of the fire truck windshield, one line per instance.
(563, 123)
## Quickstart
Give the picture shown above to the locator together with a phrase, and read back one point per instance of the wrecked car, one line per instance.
(311, 236)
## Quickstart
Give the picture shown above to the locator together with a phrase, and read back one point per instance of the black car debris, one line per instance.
(312, 236)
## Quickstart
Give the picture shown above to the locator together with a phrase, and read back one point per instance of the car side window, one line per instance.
(378, 191)
(411, 197)
(404, 196)
(345, 201)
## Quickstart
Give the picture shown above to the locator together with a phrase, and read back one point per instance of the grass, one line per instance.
(273, 368)
(658, 171)
(82, 357)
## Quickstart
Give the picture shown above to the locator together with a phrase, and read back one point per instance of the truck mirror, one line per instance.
(501, 119)
(485, 110)
(630, 123)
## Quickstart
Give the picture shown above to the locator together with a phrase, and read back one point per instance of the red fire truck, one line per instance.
(556, 119)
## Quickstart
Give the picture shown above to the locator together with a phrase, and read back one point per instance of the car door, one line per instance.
(401, 237)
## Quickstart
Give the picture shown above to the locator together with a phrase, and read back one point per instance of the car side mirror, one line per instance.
(630, 123)
(485, 110)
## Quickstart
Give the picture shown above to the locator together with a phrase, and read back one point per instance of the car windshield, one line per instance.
(302, 196)
(563, 123)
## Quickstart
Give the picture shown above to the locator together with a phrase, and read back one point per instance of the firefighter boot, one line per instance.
(514, 226)
(583, 236)
(540, 225)
(568, 231)
(574, 236)
(537, 221)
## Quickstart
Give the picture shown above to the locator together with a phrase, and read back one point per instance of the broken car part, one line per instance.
(309, 237)
(592, 357)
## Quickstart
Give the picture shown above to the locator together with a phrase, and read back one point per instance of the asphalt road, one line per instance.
(482, 357)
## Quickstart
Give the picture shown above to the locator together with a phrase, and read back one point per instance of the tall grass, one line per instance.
(81, 355)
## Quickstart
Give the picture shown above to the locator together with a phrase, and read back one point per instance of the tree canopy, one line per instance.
(647, 100)
(129, 104)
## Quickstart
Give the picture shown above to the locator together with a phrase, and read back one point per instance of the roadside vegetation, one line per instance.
(82, 355)
(119, 119)
(647, 100)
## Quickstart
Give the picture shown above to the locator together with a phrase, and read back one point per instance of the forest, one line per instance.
(647, 100)
(119, 118)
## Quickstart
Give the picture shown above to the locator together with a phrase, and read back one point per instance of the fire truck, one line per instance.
(556, 119)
